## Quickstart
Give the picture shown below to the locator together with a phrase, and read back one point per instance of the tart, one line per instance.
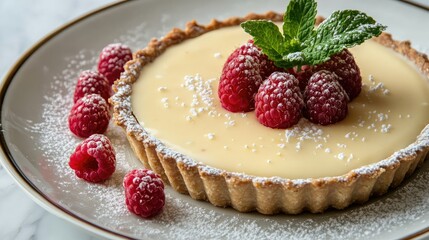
(177, 128)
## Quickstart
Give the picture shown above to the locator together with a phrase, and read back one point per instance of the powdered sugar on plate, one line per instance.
(183, 217)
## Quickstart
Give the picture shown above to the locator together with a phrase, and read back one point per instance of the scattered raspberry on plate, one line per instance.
(94, 159)
(92, 82)
(144, 192)
(89, 115)
(112, 59)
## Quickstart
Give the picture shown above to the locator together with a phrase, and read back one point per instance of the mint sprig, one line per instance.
(303, 44)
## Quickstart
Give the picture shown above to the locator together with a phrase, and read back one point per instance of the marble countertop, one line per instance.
(22, 23)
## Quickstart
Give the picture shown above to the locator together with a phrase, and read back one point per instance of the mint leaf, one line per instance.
(299, 20)
(343, 29)
(300, 44)
(267, 36)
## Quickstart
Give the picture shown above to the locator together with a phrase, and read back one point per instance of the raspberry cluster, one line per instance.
(94, 158)
(281, 97)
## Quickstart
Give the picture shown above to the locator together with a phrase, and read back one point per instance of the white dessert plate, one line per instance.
(36, 96)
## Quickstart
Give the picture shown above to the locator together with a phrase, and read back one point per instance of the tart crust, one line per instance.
(246, 193)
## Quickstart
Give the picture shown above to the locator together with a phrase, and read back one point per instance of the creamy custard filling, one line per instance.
(175, 99)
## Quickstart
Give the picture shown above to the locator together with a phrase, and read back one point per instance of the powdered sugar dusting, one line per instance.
(202, 95)
(183, 217)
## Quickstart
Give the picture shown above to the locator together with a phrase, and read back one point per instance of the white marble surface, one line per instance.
(22, 23)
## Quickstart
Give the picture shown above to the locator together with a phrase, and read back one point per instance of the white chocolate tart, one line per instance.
(167, 103)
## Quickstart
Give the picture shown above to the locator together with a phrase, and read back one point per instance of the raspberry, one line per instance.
(326, 101)
(91, 82)
(144, 192)
(303, 75)
(94, 159)
(344, 66)
(89, 115)
(112, 59)
(242, 74)
(279, 101)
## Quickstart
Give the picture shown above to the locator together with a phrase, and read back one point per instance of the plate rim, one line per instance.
(11, 167)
